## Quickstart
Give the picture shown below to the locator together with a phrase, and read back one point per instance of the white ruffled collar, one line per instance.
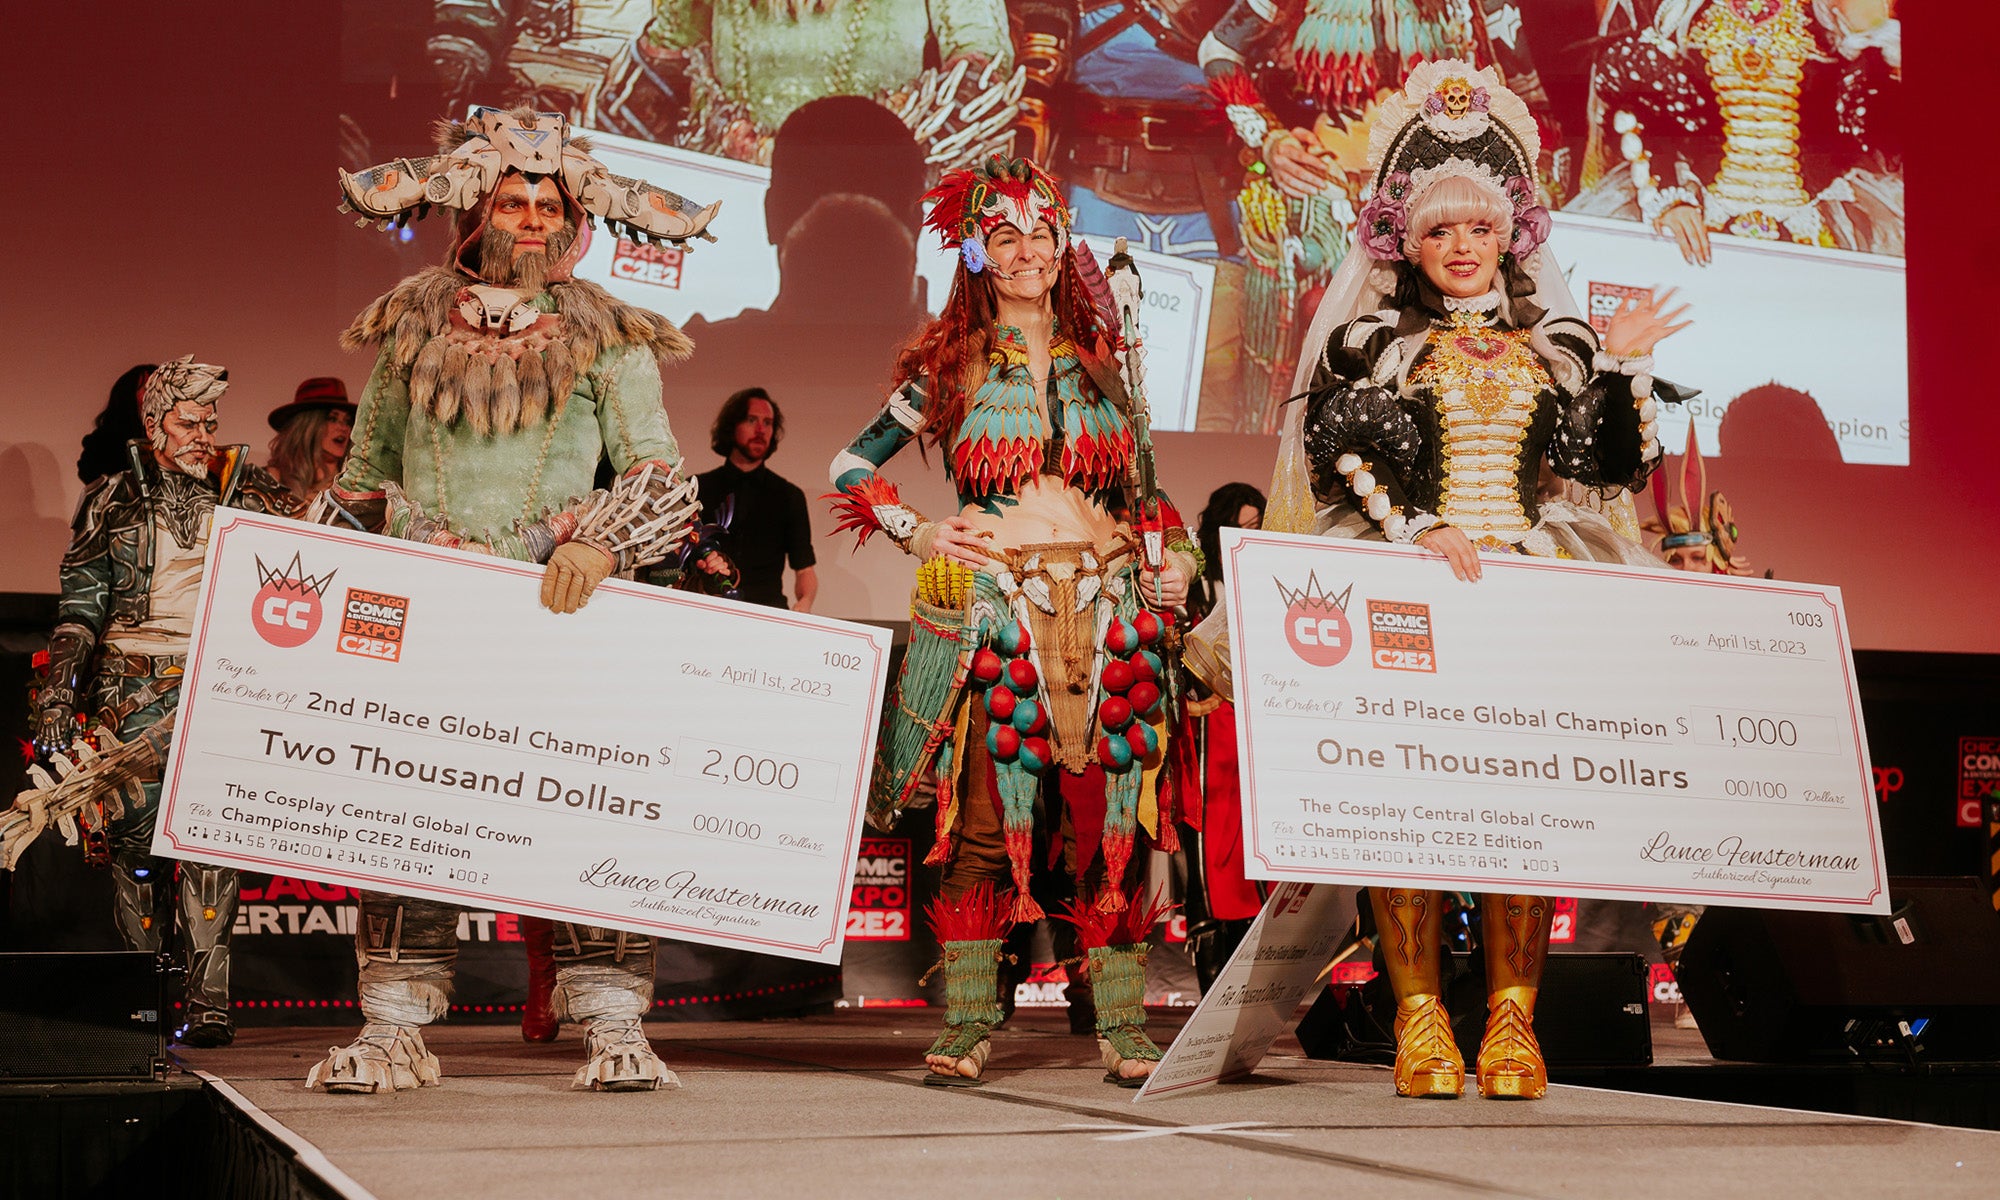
(1488, 302)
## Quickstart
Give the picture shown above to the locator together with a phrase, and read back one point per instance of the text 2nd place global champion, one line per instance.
(475, 729)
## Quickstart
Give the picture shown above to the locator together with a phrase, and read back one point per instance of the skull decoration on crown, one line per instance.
(476, 154)
(968, 205)
(1452, 120)
(1453, 96)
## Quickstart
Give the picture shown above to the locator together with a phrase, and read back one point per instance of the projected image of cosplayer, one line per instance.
(1446, 368)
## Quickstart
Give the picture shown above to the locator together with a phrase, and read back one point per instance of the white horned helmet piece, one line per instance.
(476, 153)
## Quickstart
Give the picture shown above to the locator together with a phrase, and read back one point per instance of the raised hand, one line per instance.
(1638, 325)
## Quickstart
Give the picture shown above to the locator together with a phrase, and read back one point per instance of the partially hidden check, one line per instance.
(1555, 727)
(409, 719)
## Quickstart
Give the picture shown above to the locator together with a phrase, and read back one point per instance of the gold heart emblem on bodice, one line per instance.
(1483, 347)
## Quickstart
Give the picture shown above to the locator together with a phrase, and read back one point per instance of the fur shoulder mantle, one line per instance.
(503, 374)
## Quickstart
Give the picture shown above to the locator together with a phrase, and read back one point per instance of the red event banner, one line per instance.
(880, 909)
(1978, 778)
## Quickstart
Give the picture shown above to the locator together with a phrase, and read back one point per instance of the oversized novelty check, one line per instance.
(400, 717)
(1556, 727)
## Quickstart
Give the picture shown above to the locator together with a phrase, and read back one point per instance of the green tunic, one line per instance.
(481, 487)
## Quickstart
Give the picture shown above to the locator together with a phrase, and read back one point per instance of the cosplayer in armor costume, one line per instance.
(1448, 366)
(1036, 638)
(129, 585)
(500, 383)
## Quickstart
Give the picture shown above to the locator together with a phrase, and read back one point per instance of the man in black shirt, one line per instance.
(769, 523)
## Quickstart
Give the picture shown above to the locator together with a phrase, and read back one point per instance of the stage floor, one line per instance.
(832, 1106)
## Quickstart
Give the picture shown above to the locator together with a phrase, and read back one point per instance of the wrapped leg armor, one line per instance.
(408, 947)
(604, 979)
(1115, 959)
(971, 929)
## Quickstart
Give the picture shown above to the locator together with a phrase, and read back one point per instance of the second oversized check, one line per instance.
(397, 717)
(1562, 728)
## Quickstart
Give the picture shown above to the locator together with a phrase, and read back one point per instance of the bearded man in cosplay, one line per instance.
(1448, 369)
(129, 585)
(499, 384)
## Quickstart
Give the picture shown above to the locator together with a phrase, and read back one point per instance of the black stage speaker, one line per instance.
(1591, 1013)
(81, 1016)
(1780, 986)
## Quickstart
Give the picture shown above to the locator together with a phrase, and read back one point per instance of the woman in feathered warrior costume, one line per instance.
(1036, 631)
(499, 385)
(1447, 368)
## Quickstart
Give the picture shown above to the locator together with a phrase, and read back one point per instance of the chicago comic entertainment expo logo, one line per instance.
(1316, 622)
(286, 611)
(1399, 633)
(371, 625)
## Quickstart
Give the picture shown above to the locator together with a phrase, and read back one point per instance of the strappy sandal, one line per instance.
(1127, 1043)
(963, 1043)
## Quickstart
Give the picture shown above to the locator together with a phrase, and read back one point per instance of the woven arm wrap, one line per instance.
(870, 505)
(640, 519)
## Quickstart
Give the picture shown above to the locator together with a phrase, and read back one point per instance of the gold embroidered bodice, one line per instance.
(1756, 52)
(1485, 381)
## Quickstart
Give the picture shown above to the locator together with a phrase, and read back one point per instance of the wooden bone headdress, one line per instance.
(474, 154)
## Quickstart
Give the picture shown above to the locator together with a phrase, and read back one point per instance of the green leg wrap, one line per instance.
(1118, 979)
(971, 996)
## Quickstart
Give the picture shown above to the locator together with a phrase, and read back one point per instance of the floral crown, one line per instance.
(968, 205)
(1451, 120)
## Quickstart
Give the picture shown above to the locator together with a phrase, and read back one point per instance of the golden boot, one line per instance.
(1515, 933)
(1409, 925)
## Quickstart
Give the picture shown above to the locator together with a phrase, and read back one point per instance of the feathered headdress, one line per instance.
(968, 205)
(476, 153)
(1696, 529)
(1452, 119)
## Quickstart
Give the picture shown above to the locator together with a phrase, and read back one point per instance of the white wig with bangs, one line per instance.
(1452, 199)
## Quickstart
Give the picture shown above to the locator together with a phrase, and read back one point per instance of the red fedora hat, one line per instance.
(321, 391)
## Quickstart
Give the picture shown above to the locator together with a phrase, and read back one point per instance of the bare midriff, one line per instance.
(1050, 510)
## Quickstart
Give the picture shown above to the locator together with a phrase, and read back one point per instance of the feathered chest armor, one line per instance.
(1007, 436)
